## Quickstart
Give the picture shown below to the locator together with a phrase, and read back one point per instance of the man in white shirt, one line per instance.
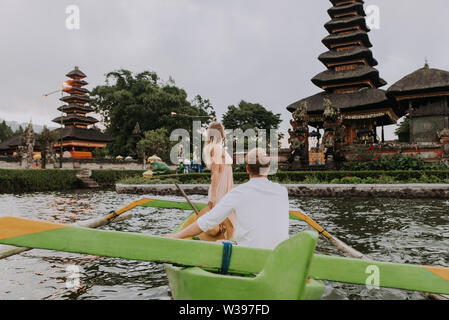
(261, 208)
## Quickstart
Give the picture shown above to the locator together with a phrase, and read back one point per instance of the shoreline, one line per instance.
(400, 191)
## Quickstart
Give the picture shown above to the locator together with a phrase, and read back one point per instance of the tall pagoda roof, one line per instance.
(333, 56)
(84, 134)
(358, 35)
(76, 83)
(337, 2)
(75, 98)
(68, 107)
(366, 103)
(423, 80)
(75, 118)
(76, 74)
(334, 77)
(356, 7)
(343, 101)
(350, 82)
(339, 23)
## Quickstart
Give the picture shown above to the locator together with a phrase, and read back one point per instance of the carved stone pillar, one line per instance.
(333, 135)
(299, 138)
(444, 139)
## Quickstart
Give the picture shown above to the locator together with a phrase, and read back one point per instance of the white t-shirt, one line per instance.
(261, 213)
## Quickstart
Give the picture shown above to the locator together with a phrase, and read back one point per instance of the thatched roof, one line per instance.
(79, 83)
(67, 107)
(330, 77)
(84, 134)
(14, 142)
(422, 80)
(348, 37)
(357, 7)
(346, 22)
(76, 74)
(345, 55)
(76, 90)
(363, 104)
(335, 2)
(75, 98)
(363, 98)
(73, 118)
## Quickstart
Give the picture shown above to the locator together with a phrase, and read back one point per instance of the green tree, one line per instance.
(156, 142)
(128, 98)
(403, 131)
(19, 131)
(5, 131)
(251, 116)
(47, 139)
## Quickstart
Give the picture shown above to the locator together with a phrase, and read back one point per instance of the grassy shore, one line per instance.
(20, 181)
(309, 177)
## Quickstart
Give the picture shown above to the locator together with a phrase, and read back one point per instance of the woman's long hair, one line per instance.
(215, 136)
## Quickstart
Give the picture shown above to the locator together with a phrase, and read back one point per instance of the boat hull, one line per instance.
(198, 284)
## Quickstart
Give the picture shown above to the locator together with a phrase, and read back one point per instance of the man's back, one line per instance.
(261, 213)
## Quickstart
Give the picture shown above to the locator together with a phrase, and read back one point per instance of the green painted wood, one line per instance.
(391, 275)
(134, 246)
(167, 204)
(208, 255)
(283, 277)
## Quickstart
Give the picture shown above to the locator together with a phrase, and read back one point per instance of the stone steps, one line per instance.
(85, 176)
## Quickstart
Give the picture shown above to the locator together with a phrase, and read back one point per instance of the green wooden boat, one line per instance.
(291, 271)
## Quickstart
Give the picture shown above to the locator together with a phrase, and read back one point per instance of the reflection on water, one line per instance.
(409, 231)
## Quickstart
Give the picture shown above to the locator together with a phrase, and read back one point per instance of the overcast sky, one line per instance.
(262, 51)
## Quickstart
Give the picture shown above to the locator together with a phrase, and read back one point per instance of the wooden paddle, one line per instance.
(334, 240)
(187, 199)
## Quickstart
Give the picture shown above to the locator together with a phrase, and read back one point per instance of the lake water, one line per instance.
(408, 231)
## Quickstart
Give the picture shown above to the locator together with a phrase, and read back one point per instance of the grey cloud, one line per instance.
(258, 50)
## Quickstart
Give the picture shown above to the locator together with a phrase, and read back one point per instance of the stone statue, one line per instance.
(443, 135)
(26, 147)
(333, 134)
(298, 137)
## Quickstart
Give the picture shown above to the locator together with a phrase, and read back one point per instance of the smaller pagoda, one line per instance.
(425, 95)
(77, 137)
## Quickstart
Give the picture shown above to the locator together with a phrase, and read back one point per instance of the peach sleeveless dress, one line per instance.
(222, 178)
(222, 181)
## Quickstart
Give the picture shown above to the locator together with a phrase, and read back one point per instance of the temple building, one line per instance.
(424, 94)
(350, 83)
(78, 136)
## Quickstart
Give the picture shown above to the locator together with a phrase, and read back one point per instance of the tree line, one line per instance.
(140, 110)
(143, 101)
(7, 132)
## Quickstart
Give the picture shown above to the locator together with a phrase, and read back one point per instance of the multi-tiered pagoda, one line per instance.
(350, 83)
(77, 137)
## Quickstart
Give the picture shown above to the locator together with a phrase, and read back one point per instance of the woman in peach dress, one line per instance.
(220, 164)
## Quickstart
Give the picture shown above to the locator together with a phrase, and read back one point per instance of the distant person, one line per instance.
(261, 208)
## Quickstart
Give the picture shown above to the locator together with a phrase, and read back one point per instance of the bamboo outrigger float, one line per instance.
(291, 271)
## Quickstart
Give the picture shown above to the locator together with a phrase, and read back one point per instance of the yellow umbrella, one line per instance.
(154, 158)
